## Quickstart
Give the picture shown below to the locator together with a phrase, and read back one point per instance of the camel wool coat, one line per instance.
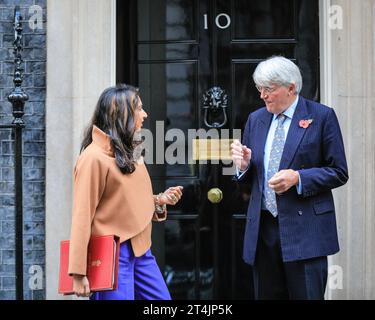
(106, 201)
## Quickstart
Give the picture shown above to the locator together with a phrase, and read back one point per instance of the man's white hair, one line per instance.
(278, 70)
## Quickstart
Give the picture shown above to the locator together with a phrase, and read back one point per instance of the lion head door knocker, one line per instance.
(214, 105)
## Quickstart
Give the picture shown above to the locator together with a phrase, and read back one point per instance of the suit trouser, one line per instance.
(275, 279)
(139, 278)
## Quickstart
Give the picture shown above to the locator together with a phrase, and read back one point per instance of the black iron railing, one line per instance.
(18, 98)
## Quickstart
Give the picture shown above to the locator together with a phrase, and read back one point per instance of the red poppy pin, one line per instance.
(305, 123)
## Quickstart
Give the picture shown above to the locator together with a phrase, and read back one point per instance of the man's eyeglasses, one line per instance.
(266, 90)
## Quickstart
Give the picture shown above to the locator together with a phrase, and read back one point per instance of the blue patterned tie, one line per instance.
(274, 163)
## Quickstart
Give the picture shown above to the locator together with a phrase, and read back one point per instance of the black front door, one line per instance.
(175, 51)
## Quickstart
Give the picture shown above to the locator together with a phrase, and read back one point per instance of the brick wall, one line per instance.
(34, 84)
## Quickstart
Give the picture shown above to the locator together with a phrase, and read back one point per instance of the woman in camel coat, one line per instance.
(113, 195)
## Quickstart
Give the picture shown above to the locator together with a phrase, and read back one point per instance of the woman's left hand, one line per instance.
(171, 196)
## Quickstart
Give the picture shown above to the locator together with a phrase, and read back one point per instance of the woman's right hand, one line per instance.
(81, 286)
(171, 196)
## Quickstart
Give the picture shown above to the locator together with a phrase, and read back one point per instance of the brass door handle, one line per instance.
(215, 195)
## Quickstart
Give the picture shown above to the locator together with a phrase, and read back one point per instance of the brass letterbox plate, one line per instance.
(212, 149)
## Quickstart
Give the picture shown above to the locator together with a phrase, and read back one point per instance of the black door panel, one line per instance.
(176, 50)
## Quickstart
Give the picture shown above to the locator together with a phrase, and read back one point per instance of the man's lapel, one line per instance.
(263, 125)
(295, 134)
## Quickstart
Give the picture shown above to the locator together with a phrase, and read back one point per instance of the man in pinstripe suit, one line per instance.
(292, 156)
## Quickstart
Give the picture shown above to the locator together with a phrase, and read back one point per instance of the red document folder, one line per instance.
(102, 265)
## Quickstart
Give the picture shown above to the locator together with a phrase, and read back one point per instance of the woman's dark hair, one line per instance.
(114, 115)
